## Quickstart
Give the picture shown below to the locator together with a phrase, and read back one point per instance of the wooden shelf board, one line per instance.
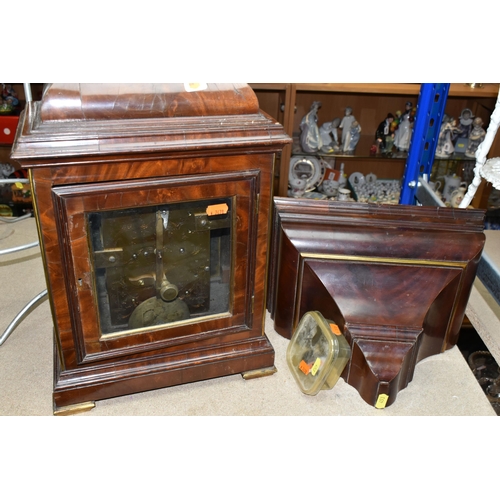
(367, 88)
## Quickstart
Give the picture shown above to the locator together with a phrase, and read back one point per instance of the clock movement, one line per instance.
(152, 203)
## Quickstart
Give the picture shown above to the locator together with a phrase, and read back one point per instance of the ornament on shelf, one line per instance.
(345, 125)
(402, 136)
(354, 135)
(476, 137)
(464, 127)
(384, 131)
(329, 136)
(445, 147)
(310, 138)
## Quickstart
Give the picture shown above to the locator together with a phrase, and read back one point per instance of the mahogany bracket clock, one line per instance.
(396, 279)
(153, 204)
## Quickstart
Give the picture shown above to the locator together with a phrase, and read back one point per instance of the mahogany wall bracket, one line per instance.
(395, 278)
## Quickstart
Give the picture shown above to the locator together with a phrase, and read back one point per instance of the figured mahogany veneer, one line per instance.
(94, 148)
(396, 279)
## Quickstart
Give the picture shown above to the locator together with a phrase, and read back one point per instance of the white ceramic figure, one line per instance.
(402, 135)
(355, 134)
(310, 138)
(335, 132)
(476, 137)
(325, 132)
(457, 196)
(465, 124)
(445, 146)
(297, 187)
(407, 111)
(345, 125)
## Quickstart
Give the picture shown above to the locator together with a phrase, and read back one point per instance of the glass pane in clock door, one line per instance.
(161, 265)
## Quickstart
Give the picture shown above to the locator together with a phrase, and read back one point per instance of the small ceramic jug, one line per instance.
(435, 186)
(298, 187)
(344, 194)
(457, 196)
(451, 182)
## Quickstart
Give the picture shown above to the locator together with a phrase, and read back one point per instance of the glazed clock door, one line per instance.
(159, 261)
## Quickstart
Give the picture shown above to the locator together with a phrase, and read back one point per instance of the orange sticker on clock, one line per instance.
(219, 209)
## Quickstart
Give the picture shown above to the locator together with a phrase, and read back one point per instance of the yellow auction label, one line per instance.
(195, 87)
(381, 401)
(19, 185)
(315, 367)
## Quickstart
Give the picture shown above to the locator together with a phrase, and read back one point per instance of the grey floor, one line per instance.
(442, 384)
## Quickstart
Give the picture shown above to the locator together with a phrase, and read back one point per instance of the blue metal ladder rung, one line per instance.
(430, 110)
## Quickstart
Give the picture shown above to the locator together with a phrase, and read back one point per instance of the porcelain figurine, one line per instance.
(329, 136)
(310, 138)
(395, 123)
(402, 135)
(384, 130)
(476, 137)
(297, 187)
(325, 132)
(408, 111)
(354, 135)
(345, 125)
(445, 147)
(335, 133)
(464, 127)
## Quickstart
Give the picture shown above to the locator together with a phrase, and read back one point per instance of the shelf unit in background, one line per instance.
(36, 90)
(289, 102)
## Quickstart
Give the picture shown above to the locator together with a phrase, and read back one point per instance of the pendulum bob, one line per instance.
(396, 281)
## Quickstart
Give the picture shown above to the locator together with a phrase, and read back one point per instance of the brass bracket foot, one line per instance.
(72, 409)
(262, 372)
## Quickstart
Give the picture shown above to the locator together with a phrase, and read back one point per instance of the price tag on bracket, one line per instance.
(195, 87)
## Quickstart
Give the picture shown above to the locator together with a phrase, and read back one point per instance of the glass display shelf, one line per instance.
(362, 151)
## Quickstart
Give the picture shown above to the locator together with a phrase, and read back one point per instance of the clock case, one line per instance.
(121, 171)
